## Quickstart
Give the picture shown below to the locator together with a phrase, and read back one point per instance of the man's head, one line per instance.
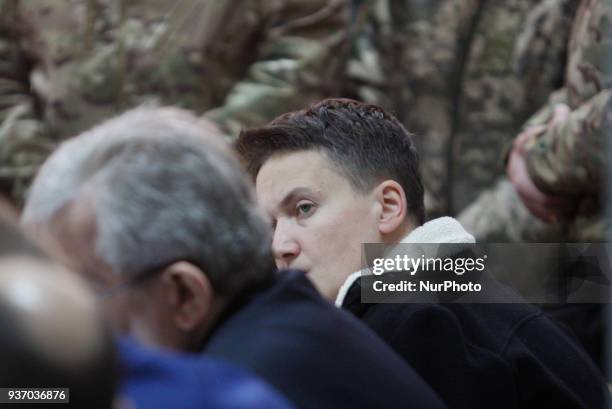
(152, 209)
(331, 177)
(52, 332)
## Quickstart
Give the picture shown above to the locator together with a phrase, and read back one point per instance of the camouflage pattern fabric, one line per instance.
(569, 158)
(66, 65)
(499, 216)
(463, 75)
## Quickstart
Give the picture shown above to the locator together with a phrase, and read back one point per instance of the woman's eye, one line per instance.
(305, 208)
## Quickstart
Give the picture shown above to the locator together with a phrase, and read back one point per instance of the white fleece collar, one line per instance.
(440, 230)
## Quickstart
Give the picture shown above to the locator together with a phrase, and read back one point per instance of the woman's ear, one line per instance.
(190, 294)
(392, 204)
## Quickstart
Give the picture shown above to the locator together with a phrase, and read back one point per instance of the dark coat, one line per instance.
(487, 355)
(315, 354)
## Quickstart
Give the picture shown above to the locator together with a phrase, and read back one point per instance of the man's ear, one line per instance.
(392, 204)
(190, 295)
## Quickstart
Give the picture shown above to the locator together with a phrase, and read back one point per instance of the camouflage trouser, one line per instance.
(498, 216)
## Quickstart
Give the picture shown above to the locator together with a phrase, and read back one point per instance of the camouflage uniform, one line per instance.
(569, 159)
(455, 74)
(68, 64)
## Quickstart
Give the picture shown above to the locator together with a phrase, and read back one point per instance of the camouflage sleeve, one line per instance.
(570, 157)
(540, 49)
(545, 113)
(20, 131)
(300, 57)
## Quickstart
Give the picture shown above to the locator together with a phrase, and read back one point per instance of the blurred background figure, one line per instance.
(67, 65)
(52, 334)
(558, 163)
(463, 76)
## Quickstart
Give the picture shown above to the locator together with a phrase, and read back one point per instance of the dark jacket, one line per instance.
(487, 355)
(315, 354)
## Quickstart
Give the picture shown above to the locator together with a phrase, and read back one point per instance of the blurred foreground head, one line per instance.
(52, 334)
(152, 209)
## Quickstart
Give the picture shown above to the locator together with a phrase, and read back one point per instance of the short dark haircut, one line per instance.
(365, 143)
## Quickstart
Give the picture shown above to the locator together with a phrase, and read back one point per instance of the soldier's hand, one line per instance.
(546, 207)
(560, 114)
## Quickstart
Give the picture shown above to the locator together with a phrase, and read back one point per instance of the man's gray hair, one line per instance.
(163, 188)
